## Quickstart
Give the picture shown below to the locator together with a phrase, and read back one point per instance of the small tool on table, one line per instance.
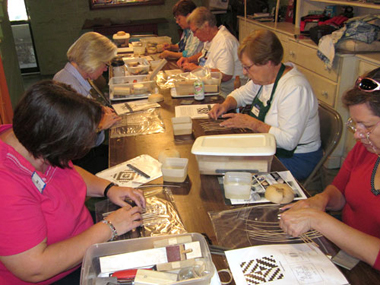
(139, 171)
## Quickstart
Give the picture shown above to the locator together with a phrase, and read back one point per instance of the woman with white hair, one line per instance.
(88, 59)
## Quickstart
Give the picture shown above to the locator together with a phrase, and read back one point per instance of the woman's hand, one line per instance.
(245, 121)
(117, 195)
(217, 110)
(165, 54)
(125, 219)
(167, 46)
(317, 202)
(297, 222)
(189, 66)
(237, 121)
(109, 118)
(182, 61)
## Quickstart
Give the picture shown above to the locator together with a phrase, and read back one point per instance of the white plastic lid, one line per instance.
(235, 145)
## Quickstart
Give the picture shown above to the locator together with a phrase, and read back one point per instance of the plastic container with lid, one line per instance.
(118, 67)
(174, 169)
(218, 154)
(137, 66)
(237, 185)
(130, 87)
(182, 126)
(91, 270)
(121, 39)
(185, 87)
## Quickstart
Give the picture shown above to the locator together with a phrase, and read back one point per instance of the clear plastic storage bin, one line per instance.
(237, 185)
(186, 86)
(182, 126)
(130, 87)
(137, 66)
(218, 154)
(91, 272)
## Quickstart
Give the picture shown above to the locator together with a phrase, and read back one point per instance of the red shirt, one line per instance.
(29, 216)
(362, 208)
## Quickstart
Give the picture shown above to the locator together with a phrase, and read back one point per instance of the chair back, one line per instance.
(331, 127)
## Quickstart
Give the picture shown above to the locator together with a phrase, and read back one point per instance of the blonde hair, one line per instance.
(200, 16)
(91, 50)
(262, 46)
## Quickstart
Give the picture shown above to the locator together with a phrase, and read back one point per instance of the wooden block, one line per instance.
(172, 241)
(119, 90)
(185, 88)
(142, 258)
(177, 265)
(211, 88)
(177, 252)
(149, 277)
(193, 250)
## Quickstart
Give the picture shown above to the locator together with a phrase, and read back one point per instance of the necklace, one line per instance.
(373, 190)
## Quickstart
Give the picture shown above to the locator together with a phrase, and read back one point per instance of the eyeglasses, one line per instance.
(198, 28)
(360, 128)
(247, 68)
(367, 84)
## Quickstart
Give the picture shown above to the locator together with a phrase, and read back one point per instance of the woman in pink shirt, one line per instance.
(45, 227)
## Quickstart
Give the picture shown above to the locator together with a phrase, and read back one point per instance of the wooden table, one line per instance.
(202, 193)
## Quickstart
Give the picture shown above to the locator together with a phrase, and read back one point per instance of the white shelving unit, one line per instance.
(329, 85)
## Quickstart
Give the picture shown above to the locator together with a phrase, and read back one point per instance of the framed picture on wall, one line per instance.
(103, 4)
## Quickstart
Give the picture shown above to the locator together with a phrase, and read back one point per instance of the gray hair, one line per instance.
(91, 50)
(262, 46)
(200, 16)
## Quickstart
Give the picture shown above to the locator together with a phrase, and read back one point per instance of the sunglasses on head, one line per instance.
(367, 84)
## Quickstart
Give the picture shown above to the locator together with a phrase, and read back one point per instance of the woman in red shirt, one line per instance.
(355, 190)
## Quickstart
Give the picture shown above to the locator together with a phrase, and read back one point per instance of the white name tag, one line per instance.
(256, 111)
(38, 182)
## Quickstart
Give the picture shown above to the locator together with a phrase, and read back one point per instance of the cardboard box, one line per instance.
(218, 154)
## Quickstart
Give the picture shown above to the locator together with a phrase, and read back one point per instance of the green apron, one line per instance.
(259, 111)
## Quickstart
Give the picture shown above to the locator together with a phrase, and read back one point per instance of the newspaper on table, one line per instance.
(261, 181)
(199, 111)
(123, 175)
(282, 264)
(134, 106)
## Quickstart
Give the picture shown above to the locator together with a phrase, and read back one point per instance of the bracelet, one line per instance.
(113, 229)
(108, 188)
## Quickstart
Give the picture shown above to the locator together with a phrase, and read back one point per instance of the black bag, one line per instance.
(318, 32)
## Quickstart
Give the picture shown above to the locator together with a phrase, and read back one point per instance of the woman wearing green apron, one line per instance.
(280, 101)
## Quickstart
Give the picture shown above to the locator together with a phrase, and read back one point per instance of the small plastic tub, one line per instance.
(138, 48)
(175, 169)
(137, 66)
(237, 185)
(182, 126)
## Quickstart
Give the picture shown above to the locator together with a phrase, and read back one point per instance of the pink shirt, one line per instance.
(29, 216)
(362, 208)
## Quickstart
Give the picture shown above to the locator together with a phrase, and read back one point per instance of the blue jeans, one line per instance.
(302, 164)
